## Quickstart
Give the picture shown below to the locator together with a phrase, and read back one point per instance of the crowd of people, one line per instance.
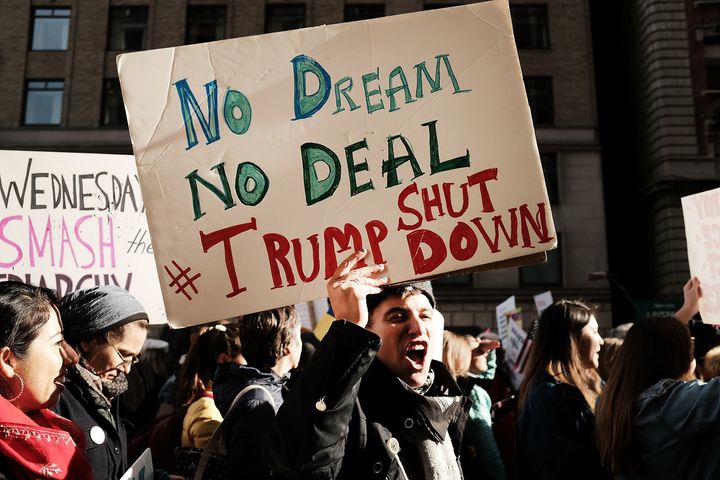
(376, 397)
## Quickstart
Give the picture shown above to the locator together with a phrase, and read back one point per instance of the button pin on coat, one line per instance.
(393, 445)
(97, 435)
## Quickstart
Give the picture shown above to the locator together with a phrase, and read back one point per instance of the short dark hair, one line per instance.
(265, 335)
(401, 290)
(24, 310)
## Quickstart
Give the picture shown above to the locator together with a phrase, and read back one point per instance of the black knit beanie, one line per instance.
(400, 289)
(87, 313)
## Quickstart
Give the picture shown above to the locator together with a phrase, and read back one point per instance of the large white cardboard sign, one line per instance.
(266, 160)
(702, 231)
(75, 220)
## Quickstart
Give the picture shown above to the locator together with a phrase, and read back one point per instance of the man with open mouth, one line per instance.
(372, 403)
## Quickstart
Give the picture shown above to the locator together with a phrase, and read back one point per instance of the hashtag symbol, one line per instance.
(183, 277)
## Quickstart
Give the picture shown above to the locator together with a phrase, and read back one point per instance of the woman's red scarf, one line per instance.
(41, 444)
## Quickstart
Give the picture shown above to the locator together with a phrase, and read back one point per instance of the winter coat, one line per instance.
(481, 455)
(349, 417)
(556, 434)
(249, 419)
(105, 434)
(200, 422)
(676, 426)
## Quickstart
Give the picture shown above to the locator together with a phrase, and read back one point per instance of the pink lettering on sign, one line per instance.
(56, 241)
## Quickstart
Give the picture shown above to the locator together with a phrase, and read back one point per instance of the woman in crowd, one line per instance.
(466, 358)
(653, 419)
(107, 327)
(557, 397)
(201, 417)
(34, 359)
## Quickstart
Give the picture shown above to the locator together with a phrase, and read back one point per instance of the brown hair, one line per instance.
(556, 351)
(266, 334)
(638, 367)
(201, 362)
(608, 355)
(457, 353)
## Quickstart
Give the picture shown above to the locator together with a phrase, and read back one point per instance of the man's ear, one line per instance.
(7, 362)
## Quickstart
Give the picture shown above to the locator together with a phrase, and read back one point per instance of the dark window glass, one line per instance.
(435, 6)
(550, 169)
(540, 96)
(113, 110)
(128, 28)
(205, 23)
(531, 26)
(43, 102)
(279, 18)
(712, 74)
(50, 28)
(365, 11)
(544, 274)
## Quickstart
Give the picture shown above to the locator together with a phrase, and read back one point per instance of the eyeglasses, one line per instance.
(125, 361)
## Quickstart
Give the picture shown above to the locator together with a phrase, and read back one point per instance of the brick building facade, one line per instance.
(64, 96)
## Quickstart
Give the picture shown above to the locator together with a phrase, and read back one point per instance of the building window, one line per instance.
(531, 26)
(540, 96)
(366, 11)
(435, 6)
(550, 169)
(205, 23)
(279, 18)
(50, 28)
(113, 110)
(128, 28)
(548, 274)
(43, 102)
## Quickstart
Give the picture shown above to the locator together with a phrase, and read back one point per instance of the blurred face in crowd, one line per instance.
(479, 360)
(405, 327)
(296, 347)
(118, 354)
(590, 343)
(43, 368)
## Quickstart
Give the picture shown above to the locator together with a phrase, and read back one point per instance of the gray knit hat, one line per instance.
(87, 313)
(400, 289)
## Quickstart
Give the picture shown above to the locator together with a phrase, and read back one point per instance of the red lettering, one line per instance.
(448, 199)
(412, 188)
(438, 251)
(334, 235)
(463, 234)
(208, 240)
(498, 223)
(376, 233)
(536, 222)
(481, 178)
(298, 254)
(434, 202)
(277, 248)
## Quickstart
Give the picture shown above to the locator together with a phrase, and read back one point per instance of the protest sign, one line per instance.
(142, 469)
(542, 301)
(516, 336)
(501, 311)
(702, 231)
(266, 160)
(71, 221)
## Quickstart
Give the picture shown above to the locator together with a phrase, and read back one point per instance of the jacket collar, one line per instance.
(387, 399)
